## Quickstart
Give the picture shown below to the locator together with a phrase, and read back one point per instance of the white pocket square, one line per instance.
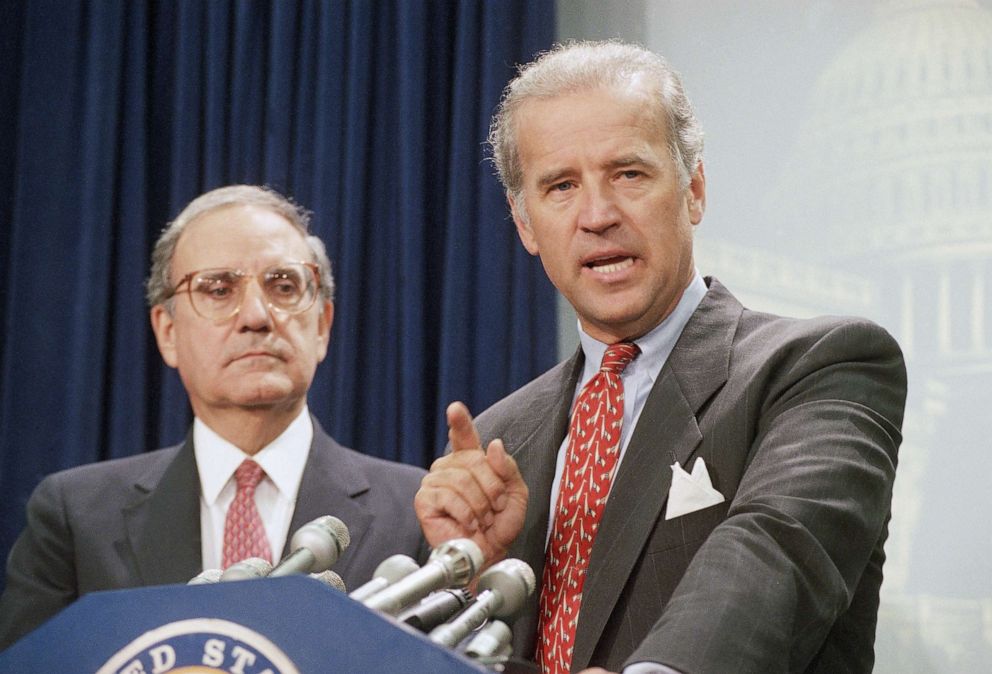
(690, 493)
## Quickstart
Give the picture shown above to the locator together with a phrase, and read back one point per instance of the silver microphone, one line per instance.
(434, 609)
(501, 592)
(388, 572)
(452, 564)
(330, 579)
(246, 569)
(316, 546)
(206, 577)
(492, 641)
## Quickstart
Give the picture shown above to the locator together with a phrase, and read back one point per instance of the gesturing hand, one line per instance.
(471, 493)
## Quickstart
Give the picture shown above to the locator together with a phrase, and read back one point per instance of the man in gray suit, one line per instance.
(746, 514)
(241, 304)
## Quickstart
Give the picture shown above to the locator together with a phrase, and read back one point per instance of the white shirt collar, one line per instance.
(657, 344)
(283, 459)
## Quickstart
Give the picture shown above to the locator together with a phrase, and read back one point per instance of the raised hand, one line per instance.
(471, 493)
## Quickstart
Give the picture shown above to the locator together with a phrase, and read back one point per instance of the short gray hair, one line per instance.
(158, 287)
(577, 66)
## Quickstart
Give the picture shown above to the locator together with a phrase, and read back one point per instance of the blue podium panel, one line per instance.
(292, 625)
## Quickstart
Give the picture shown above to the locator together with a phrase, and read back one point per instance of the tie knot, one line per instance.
(618, 356)
(248, 474)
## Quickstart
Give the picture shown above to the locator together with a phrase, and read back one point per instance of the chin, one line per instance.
(616, 318)
(266, 393)
(268, 404)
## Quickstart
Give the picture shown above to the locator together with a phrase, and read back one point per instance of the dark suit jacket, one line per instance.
(136, 521)
(798, 422)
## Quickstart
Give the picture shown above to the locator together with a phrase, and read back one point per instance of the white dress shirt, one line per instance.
(283, 461)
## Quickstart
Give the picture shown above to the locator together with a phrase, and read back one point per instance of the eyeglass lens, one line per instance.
(217, 293)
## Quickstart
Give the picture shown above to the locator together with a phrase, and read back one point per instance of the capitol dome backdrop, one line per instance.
(849, 170)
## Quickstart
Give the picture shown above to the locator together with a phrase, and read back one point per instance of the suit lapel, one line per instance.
(666, 432)
(540, 435)
(331, 482)
(163, 523)
(533, 440)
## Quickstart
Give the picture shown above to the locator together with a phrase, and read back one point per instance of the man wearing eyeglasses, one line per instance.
(241, 305)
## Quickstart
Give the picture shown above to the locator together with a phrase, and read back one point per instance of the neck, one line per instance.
(249, 429)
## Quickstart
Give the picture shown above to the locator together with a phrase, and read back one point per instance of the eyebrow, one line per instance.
(629, 160)
(217, 272)
(624, 161)
(552, 177)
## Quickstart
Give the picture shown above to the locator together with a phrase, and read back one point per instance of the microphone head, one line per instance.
(326, 537)
(461, 557)
(514, 580)
(206, 577)
(395, 567)
(330, 579)
(493, 640)
(253, 567)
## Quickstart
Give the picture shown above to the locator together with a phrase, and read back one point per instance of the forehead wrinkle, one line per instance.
(642, 120)
(264, 239)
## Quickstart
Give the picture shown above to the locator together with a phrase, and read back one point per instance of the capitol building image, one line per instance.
(849, 171)
(886, 206)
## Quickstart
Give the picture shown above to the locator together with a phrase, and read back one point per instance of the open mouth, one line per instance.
(608, 265)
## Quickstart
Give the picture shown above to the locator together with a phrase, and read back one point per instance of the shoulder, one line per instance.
(765, 333)
(823, 339)
(360, 470)
(97, 491)
(113, 472)
(721, 323)
(828, 360)
(374, 466)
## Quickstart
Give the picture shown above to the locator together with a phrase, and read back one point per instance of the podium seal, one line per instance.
(200, 646)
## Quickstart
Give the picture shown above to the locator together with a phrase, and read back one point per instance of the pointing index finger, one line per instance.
(461, 430)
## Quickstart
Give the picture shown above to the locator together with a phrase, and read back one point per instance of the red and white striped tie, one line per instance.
(244, 533)
(591, 459)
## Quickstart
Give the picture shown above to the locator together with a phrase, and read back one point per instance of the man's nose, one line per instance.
(598, 210)
(254, 313)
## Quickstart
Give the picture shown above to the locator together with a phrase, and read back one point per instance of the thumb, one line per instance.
(501, 462)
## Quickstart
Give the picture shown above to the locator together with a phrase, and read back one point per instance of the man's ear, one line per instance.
(522, 222)
(696, 195)
(163, 326)
(324, 323)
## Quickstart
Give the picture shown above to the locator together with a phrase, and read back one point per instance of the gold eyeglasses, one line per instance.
(216, 294)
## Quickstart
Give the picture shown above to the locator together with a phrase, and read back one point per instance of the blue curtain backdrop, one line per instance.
(113, 115)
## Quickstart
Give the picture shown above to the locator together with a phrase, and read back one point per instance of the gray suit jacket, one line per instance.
(135, 522)
(798, 422)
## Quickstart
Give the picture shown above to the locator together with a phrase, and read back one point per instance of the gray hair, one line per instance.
(158, 287)
(577, 66)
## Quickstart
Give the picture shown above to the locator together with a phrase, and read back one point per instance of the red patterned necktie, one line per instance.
(244, 534)
(592, 452)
